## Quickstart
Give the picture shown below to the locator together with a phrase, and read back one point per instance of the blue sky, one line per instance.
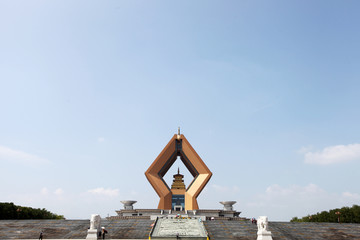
(267, 92)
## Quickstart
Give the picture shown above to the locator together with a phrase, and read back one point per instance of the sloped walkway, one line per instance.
(168, 228)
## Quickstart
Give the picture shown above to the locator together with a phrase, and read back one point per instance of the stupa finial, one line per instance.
(178, 135)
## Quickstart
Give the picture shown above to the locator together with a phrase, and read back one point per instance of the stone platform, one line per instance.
(186, 229)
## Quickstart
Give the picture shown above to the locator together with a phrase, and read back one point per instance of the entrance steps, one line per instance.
(140, 229)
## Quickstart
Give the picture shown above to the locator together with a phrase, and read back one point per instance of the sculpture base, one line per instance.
(264, 235)
(92, 234)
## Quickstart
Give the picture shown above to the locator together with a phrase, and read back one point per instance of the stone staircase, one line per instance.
(315, 231)
(140, 229)
(225, 229)
(73, 229)
(53, 229)
(128, 228)
(245, 230)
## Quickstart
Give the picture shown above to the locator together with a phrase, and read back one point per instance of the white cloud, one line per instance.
(352, 196)
(333, 154)
(276, 190)
(8, 154)
(44, 191)
(105, 192)
(305, 150)
(225, 189)
(101, 139)
(59, 191)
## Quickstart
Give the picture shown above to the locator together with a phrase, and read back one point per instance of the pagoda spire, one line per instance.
(178, 182)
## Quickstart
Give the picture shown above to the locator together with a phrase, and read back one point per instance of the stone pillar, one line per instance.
(128, 204)
(228, 205)
(263, 232)
(95, 222)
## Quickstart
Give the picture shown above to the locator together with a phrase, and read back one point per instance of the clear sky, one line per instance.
(267, 92)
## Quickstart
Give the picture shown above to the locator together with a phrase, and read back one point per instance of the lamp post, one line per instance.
(18, 212)
(338, 214)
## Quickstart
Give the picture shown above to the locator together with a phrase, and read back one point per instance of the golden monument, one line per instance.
(178, 196)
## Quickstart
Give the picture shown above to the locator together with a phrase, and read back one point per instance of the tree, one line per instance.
(344, 215)
(12, 211)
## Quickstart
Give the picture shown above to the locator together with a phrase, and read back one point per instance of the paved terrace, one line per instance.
(140, 228)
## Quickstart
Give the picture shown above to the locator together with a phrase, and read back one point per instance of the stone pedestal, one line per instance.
(92, 234)
(264, 235)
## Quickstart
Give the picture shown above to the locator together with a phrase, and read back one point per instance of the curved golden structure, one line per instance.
(178, 146)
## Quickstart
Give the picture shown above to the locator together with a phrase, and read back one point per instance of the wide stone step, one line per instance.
(282, 230)
(140, 229)
(73, 229)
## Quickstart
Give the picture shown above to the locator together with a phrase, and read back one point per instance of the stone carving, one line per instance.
(263, 230)
(262, 223)
(95, 221)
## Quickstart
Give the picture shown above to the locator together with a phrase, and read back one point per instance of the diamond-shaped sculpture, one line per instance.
(178, 146)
